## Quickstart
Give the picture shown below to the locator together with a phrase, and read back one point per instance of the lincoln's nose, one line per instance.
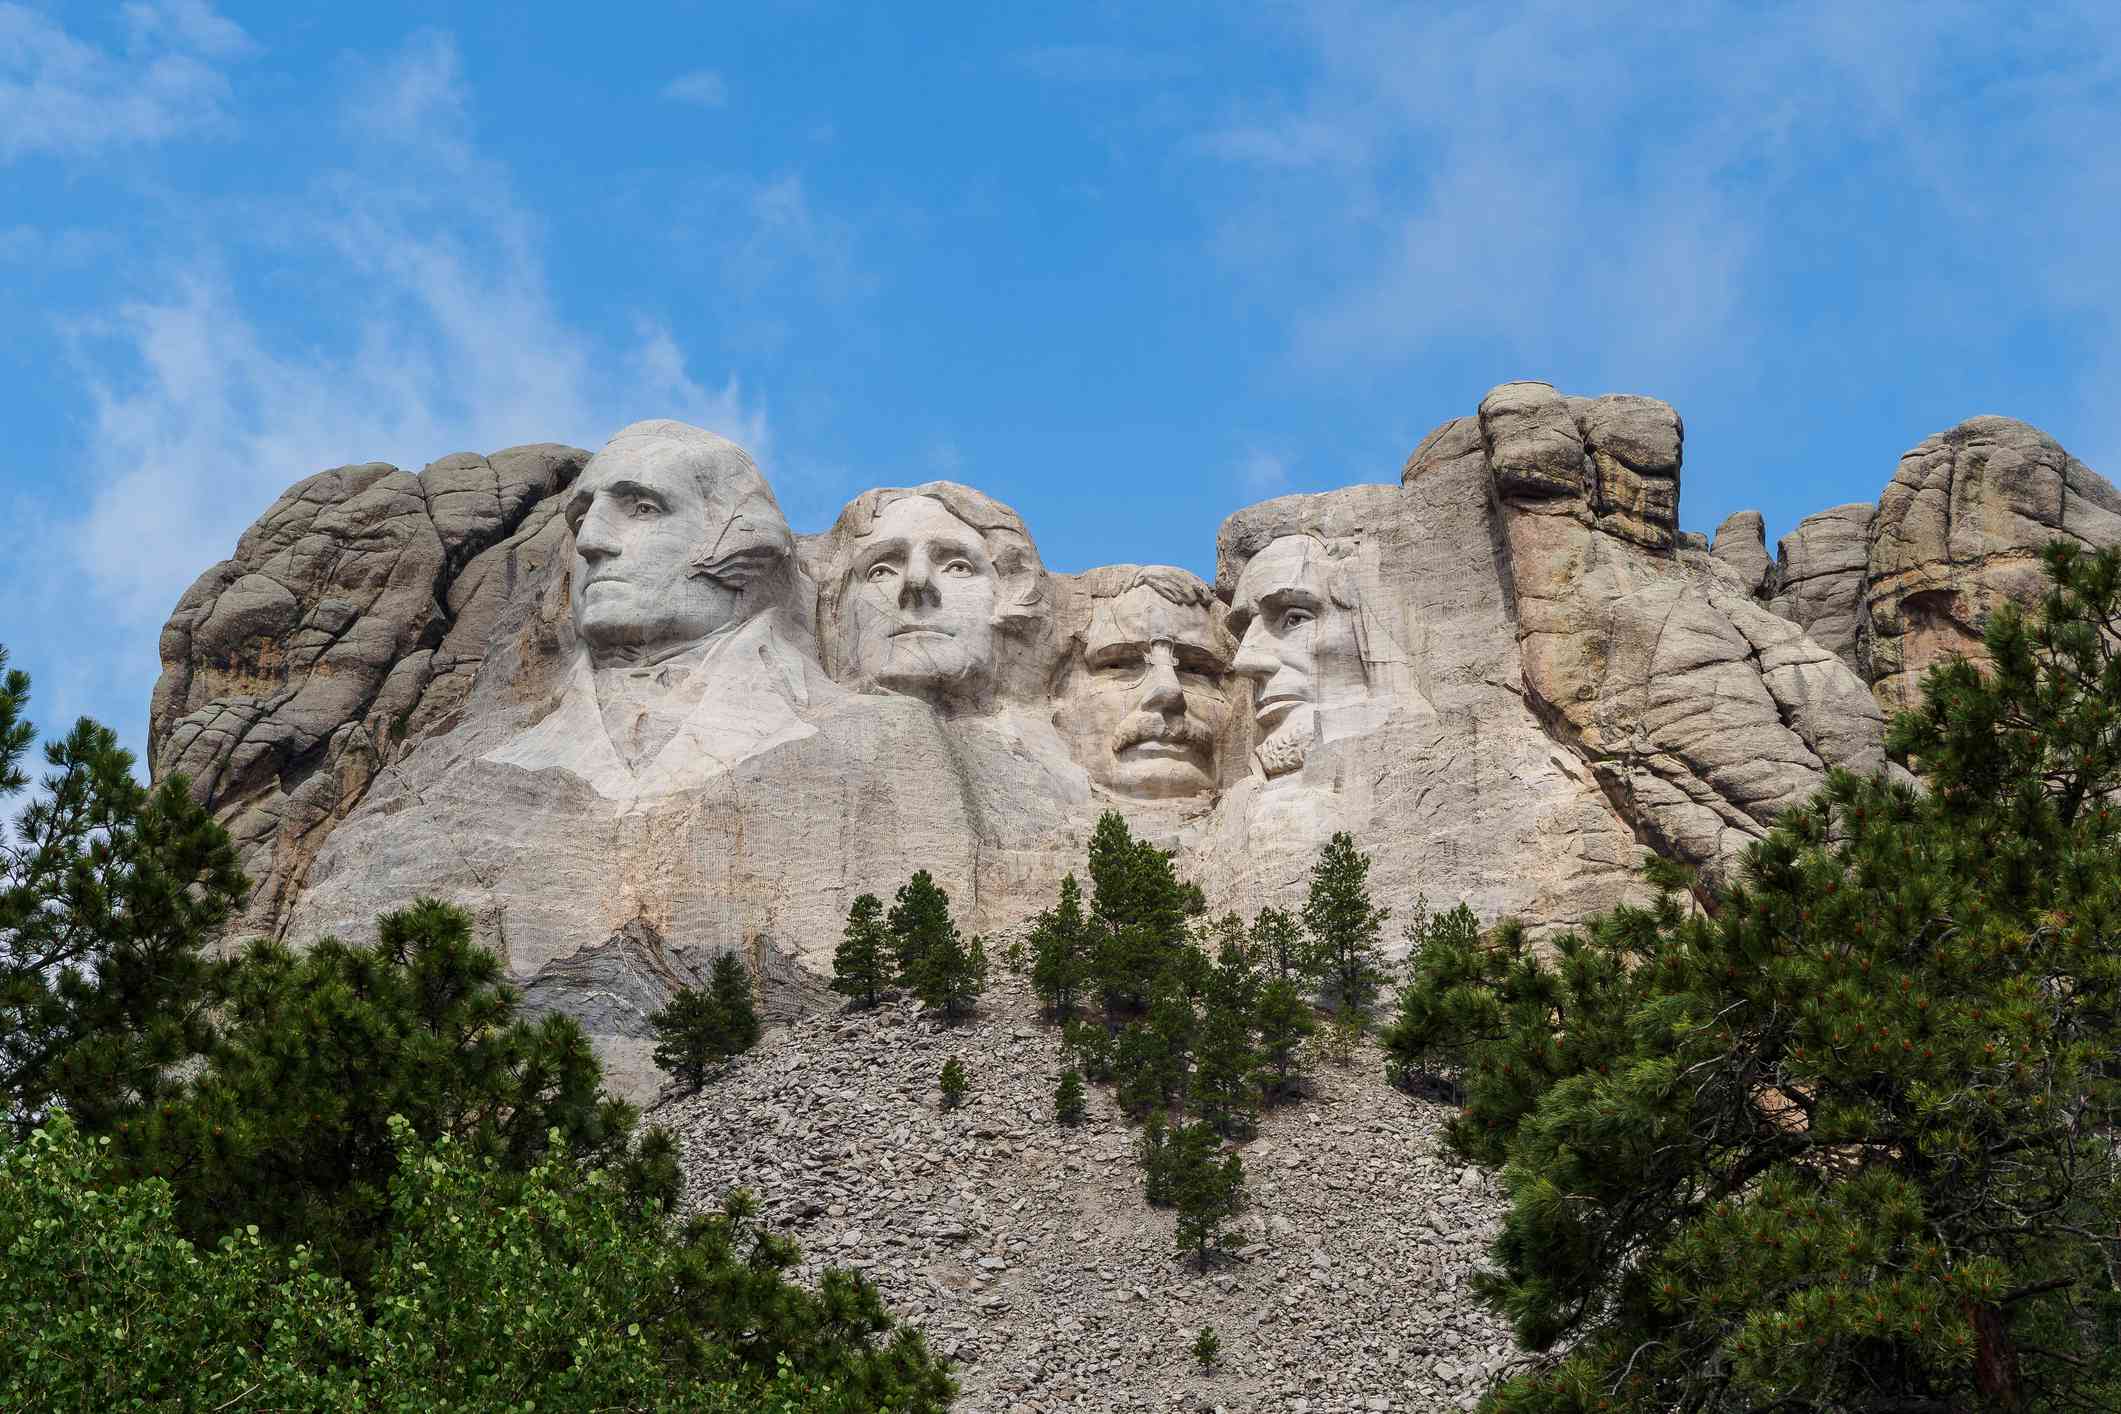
(1254, 658)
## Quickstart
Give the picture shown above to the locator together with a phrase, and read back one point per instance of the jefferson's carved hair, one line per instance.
(1022, 608)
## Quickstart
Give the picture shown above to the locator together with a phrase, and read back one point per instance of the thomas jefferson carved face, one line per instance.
(670, 523)
(1148, 704)
(1297, 630)
(921, 599)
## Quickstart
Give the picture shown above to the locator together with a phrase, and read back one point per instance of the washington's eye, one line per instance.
(1295, 618)
(644, 508)
(878, 572)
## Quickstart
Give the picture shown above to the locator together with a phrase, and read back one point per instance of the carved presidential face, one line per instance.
(640, 512)
(1146, 709)
(921, 601)
(1297, 641)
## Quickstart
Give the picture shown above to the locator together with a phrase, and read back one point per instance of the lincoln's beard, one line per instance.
(1283, 750)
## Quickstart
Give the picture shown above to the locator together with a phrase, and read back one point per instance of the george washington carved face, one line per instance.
(671, 525)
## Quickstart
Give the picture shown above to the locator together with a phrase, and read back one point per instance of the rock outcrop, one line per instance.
(618, 710)
(1959, 531)
(1820, 572)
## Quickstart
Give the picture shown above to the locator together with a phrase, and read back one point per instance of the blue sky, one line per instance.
(1126, 267)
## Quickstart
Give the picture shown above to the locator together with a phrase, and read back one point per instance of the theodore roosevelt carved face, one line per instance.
(672, 524)
(1296, 615)
(932, 584)
(1147, 704)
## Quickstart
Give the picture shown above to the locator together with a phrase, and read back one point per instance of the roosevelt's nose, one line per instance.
(1255, 658)
(1161, 692)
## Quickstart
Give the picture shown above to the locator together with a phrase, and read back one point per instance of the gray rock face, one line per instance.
(1959, 531)
(1740, 547)
(618, 711)
(350, 621)
(1820, 575)
(1701, 715)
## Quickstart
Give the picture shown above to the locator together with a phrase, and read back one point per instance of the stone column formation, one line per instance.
(614, 707)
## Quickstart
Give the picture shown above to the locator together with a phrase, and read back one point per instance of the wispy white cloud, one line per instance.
(1617, 184)
(64, 96)
(449, 338)
(703, 88)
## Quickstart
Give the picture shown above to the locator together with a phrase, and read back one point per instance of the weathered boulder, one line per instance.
(1959, 530)
(346, 625)
(1702, 715)
(1819, 578)
(1740, 547)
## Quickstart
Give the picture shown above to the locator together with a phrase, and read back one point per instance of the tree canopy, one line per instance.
(1848, 1140)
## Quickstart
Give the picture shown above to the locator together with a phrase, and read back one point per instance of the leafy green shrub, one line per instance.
(483, 1301)
(953, 1083)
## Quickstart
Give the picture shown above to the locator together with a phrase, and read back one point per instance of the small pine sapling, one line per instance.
(953, 1083)
(1207, 1347)
(1068, 1106)
(862, 964)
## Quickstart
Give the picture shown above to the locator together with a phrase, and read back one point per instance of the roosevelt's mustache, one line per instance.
(1150, 726)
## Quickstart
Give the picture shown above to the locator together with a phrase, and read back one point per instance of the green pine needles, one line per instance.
(1848, 1141)
(696, 1031)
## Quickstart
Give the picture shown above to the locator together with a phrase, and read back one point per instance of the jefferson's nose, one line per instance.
(917, 585)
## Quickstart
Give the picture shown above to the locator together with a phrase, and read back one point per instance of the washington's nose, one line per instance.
(593, 539)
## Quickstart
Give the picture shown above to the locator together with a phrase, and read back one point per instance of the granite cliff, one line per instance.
(618, 709)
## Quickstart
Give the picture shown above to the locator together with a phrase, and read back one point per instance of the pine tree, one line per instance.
(1207, 1347)
(1284, 1019)
(861, 965)
(287, 1120)
(1152, 1155)
(696, 1031)
(1224, 1058)
(1205, 1184)
(1091, 1044)
(1278, 941)
(919, 920)
(109, 894)
(953, 1084)
(1061, 952)
(1343, 926)
(1150, 1057)
(729, 985)
(953, 974)
(1068, 1106)
(1138, 912)
(1846, 1140)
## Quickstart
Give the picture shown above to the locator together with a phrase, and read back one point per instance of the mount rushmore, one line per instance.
(616, 707)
